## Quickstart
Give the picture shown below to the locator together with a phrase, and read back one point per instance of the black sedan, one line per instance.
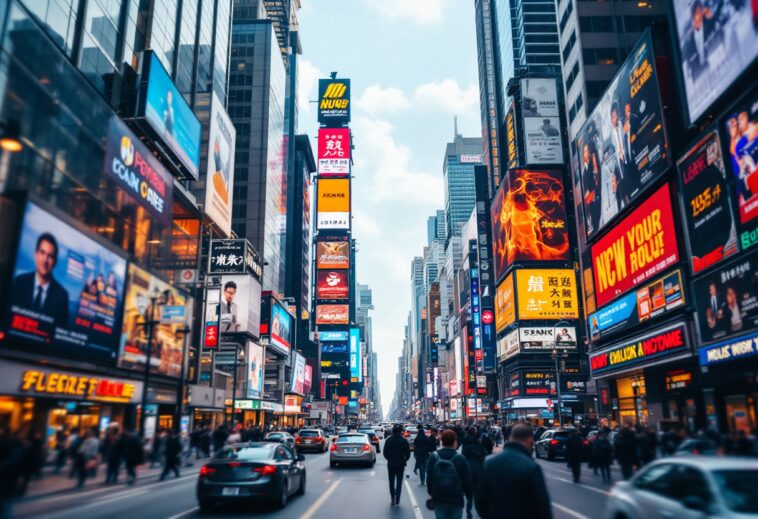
(251, 471)
(552, 444)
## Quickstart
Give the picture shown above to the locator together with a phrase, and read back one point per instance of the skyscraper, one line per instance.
(461, 156)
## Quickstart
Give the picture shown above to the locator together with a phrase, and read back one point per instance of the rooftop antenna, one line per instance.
(455, 129)
(333, 75)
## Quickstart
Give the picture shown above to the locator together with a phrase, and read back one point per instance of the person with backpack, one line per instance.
(397, 452)
(475, 453)
(448, 479)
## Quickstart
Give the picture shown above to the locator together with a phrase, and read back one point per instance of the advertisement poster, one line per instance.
(622, 147)
(137, 172)
(528, 217)
(712, 235)
(239, 309)
(356, 374)
(333, 284)
(718, 40)
(333, 342)
(727, 300)
(172, 311)
(255, 366)
(332, 314)
(170, 115)
(333, 152)
(741, 137)
(333, 102)
(298, 375)
(333, 205)
(743, 347)
(547, 294)
(505, 304)
(67, 291)
(508, 346)
(655, 299)
(333, 255)
(545, 338)
(281, 327)
(211, 338)
(638, 248)
(308, 379)
(539, 109)
(219, 180)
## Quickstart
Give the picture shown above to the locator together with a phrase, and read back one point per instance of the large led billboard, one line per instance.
(541, 121)
(297, 380)
(505, 304)
(281, 327)
(547, 294)
(333, 152)
(219, 180)
(332, 284)
(67, 291)
(255, 369)
(332, 314)
(356, 374)
(622, 147)
(718, 40)
(333, 102)
(333, 203)
(639, 247)
(528, 217)
(333, 255)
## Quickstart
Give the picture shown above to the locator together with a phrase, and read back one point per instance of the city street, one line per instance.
(328, 492)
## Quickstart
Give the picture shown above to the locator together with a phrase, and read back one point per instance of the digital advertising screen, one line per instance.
(541, 121)
(239, 308)
(718, 40)
(505, 304)
(170, 115)
(333, 203)
(255, 368)
(333, 102)
(333, 341)
(333, 152)
(711, 231)
(356, 373)
(67, 291)
(172, 310)
(547, 294)
(333, 284)
(536, 339)
(298, 375)
(333, 255)
(219, 180)
(280, 335)
(638, 248)
(332, 314)
(622, 147)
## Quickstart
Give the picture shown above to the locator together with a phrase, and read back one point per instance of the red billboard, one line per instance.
(641, 246)
(332, 284)
(332, 314)
(333, 151)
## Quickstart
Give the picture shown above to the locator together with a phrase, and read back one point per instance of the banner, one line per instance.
(639, 247)
(655, 299)
(547, 294)
(743, 347)
(534, 340)
(711, 232)
(219, 174)
(332, 314)
(622, 147)
(718, 40)
(333, 102)
(541, 121)
(255, 365)
(741, 138)
(282, 322)
(356, 374)
(727, 300)
(333, 204)
(333, 284)
(508, 346)
(333, 152)
(298, 375)
(333, 255)
(505, 304)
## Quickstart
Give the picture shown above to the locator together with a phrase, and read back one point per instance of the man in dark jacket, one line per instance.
(421, 449)
(512, 481)
(574, 454)
(626, 450)
(474, 452)
(132, 453)
(172, 452)
(449, 479)
(11, 461)
(397, 452)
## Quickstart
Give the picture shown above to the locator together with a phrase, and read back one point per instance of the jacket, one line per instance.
(474, 453)
(574, 449)
(422, 446)
(513, 481)
(464, 474)
(397, 451)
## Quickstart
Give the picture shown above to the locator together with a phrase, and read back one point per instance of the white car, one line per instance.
(688, 487)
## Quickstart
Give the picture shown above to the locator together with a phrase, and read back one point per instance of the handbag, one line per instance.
(91, 464)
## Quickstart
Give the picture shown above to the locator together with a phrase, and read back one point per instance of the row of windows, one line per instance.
(574, 110)
(572, 76)
(569, 45)
(599, 56)
(596, 24)
(566, 15)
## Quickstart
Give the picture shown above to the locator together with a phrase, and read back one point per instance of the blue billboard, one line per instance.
(733, 349)
(356, 371)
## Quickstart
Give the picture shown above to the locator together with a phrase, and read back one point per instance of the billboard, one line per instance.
(741, 139)
(622, 147)
(547, 294)
(171, 117)
(536, 339)
(640, 246)
(505, 304)
(308, 379)
(718, 40)
(333, 204)
(172, 312)
(67, 291)
(528, 216)
(281, 328)
(508, 346)
(332, 314)
(233, 257)
(239, 309)
(219, 174)
(333, 102)
(356, 374)
(333, 255)
(333, 341)
(255, 368)
(743, 347)
(541, 121)
(297, 381)
(333, 284)
(333, 152)
(727, 299)
(711, 232)
(510, 135)
(654, 299)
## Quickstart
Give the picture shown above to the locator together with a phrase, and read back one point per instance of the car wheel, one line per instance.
(205, 505)
(373, 462)
(301, 490)
(332, 464)
(281, 502)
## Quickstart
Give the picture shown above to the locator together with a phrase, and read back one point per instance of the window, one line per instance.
(656, 479)
(596, 24)
(737, 489)
(569, 45)
(689, 482)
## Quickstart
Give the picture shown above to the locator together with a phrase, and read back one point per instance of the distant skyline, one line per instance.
(406, 90)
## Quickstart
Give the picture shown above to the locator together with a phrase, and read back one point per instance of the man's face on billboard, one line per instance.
(229, 294)
(44, 259)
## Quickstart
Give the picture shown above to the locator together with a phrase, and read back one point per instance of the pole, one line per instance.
(558, 386)
(234, 387)
(146, 379)
(180, 391)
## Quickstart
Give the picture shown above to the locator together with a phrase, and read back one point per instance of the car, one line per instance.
(352, 448)
(552, 444)
(311, 440)
(373, 438)
(263, 471)
(379, 432)
(697, 446)
(688, 487)
(281, 437)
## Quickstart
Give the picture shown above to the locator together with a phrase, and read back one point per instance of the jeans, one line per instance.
(396, 482)
(627, 470)
(421, 466)
(576, 470)
(167, 467)
(605, 471)
(447, 511)
(111, 476)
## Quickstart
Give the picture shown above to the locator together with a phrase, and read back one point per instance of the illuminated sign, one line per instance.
(505, 304)
(547, 294)
(333, 255)
(332, 314)
(82, 386)
(510, 133)
(333, 102)
(678, 379)
(355, 355)
(293, 404)
(333, 151)
(333, 204)
(733, 349)
(332, 284)
(545, 338)
(508, 346)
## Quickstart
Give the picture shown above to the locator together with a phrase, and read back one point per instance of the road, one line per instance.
(331, 493)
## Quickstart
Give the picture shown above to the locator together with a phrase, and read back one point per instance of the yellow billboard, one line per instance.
(333, 205)
(547, 294)
(505, 304)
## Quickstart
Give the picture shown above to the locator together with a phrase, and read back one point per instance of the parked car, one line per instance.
(251, 471)
(697, 446)
(281, 437)
(311, 440)
(373, 438)
(688, 487)
(552, 444)
(352, 448)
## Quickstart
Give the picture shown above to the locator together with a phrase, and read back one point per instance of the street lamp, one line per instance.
(239, 360)
(149, 323)
(563, 356)
(183, 332)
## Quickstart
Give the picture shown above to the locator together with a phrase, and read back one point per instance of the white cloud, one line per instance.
(448, 95)
(419, 11)
(376, 99)
(307, 85)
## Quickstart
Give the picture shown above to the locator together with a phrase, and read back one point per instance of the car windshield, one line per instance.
(244, 453)
(352, 438)
(309, 434)
(738, 489)
(276, 436)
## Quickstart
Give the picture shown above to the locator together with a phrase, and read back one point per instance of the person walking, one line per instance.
(11, 461)
(475, 453)
(449, 479)
(602, 456)
(113, 453)
(574, 454)
(133, 453)
(87, 457)
(172, 455)
(421, 450)
(158, 448)
(513, 481)
(626, 450)
(218, 438)
(434, 440)
(397, 452)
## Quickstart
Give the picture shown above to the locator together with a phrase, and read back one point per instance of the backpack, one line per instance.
(447, 483)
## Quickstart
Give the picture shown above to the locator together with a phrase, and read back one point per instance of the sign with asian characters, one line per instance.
(333, 152)
(547, 294)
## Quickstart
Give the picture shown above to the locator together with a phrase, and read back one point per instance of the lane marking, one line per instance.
(373, 473)
(185, 513)
(119, 497)
(416, 509)
(599, 491)
(321, 500)
(569, 511)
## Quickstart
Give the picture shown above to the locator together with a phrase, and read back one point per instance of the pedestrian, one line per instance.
(574, 454)
(33, 457)
(626, 450)
(87, 457)
(205, 441)
(449, 477)
(475, 453)
(133, 453)
(512, 482)
(218, 438)
(113, 454)
(60, 449)
(73, 442)
(421, 451)
(487, 442)
(11, 460)
(235, 436)
(195, 441)
(602, 455)
(434, 441)
(172, 454)
(397, 452)
(158, 447)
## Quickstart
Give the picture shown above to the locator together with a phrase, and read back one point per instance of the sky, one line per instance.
(413, 67)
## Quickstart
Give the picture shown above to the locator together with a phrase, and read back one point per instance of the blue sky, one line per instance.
(413, 67)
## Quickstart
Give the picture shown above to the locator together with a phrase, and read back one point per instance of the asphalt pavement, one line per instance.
(330, 493)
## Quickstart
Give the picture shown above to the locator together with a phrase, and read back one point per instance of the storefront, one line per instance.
(206, 406)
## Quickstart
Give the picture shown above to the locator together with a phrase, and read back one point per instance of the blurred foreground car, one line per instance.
(352, 448)
(281, 437)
